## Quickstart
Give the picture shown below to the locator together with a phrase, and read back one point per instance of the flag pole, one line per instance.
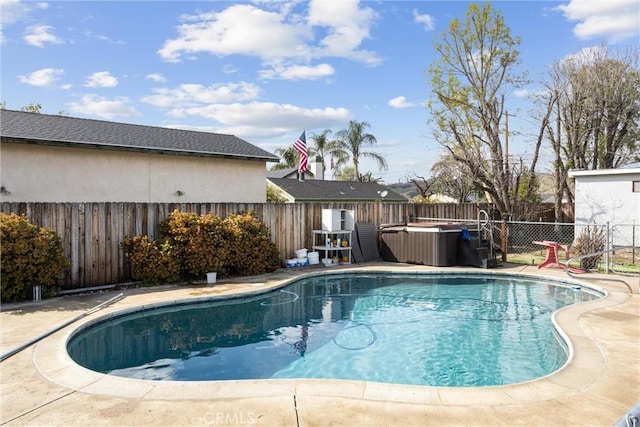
(301, 147)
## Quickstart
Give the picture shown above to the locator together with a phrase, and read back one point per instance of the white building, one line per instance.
(609, 196)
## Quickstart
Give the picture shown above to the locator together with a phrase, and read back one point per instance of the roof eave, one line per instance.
(141, 149)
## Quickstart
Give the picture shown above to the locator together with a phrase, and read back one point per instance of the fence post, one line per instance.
(503, 239)
(607, 247)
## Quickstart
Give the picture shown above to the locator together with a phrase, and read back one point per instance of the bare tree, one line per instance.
(475, 70)
(453, 179)
(592, 103)
(425, 186)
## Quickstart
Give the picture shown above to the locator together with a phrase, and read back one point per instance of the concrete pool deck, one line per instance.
(42, 386)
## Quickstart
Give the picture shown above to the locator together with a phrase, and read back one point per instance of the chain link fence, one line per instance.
(628, 259)
(578, 239)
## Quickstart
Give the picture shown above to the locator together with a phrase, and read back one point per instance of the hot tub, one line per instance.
(426, 243)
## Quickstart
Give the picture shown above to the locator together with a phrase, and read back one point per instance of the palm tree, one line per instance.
(322, 146)
(288, 156)
(368, 177)
(350, 142)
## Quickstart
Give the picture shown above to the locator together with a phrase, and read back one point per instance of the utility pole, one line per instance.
(506, 142)
(503, 230)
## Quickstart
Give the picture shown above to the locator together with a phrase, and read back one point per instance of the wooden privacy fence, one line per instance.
(91, 232)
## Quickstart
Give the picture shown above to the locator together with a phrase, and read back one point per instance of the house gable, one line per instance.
(289, 173)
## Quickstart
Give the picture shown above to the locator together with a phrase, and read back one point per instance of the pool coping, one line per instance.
(584, 366)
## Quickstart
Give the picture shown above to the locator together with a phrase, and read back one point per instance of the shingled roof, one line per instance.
(287, 173)
(316, 190)
(19, 126)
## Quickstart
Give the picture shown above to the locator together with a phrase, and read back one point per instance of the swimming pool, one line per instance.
(444, 330)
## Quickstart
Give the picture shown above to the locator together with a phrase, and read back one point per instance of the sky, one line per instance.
(266, 70)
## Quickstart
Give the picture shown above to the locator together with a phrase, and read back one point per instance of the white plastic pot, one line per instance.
(314, 258)
(301, 253)
(211, 277)
(292, 262)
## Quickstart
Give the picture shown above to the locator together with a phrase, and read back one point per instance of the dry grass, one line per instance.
(624, 261)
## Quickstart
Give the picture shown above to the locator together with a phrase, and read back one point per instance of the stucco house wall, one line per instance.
(47, 158)
(40, 173)
(608, 196)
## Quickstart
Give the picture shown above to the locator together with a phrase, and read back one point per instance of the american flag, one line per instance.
(301, 147)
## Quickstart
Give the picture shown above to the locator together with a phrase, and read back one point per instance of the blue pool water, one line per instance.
(440, 330)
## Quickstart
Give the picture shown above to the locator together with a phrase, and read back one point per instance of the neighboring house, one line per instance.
(48, 158)
(609, 196)
(314, 172)
(289, 173)
(294, 190)
(546, 188)
(441, 198)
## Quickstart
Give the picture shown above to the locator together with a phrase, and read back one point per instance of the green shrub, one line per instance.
(31, 256)
(208, 248)
(591, 239)
(275, 195)
(151, 262)
(179, 229)
(252, 251)
(198, 244)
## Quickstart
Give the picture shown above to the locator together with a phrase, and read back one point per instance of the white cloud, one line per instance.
(400, 102)
(195, 94)
(229, 69)
(614, 20)
(101, 79)
(239, 29)
(276, 35)
(43, 77)
(348, 26)
(586, 55)
(389, 143)
(530, 93)
(261, 119)
(523, 93)
(38, 35)
(91, 35)
(103, 107)
(156, 77)
(298, 72)
(12, 11)
(426, 20)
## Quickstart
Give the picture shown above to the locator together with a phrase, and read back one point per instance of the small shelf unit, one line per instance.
(322, 238)
(338, 219)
